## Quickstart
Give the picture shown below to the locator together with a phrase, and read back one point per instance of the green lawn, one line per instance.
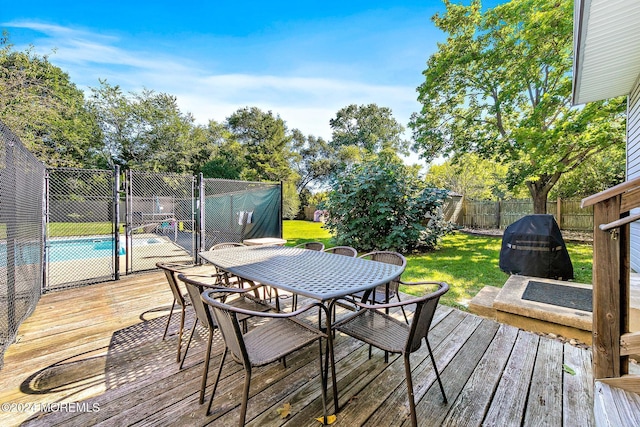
(296, 232)
(64, 229)
(466, 262)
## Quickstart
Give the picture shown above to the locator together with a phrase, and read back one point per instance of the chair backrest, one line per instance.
(225, 245)
(423, 315)
(314, 246)
(194, 289)
(170, 271)
(343, 250)
(227, 322)
(388, 257)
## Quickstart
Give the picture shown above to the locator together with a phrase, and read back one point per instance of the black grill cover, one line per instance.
(533, 246)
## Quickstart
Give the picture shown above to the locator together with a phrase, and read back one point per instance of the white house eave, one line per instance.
(606, 59)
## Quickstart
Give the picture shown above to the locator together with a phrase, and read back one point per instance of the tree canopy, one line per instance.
(359, 132)
(266, 142)
(500, 86)
(471, 176)
(40, 104)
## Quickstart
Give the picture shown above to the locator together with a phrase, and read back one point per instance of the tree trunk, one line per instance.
(539, 191)
(539, 202)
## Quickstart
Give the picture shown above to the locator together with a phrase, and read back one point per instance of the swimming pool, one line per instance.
(89, 248)
(71, 249)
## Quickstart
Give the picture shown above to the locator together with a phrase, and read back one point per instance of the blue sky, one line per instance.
(301, 60)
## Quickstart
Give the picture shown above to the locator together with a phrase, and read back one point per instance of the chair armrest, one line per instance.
(427, 282)
(443, 288)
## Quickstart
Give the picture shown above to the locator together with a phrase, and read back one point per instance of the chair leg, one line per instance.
(323, 381)
(404, 313)
(277, 299)
(245, 397)
(412, 402)
(206, 366)
(193, 331)
(215, 385)
(182, 314)
(435, 368)
(166, 328)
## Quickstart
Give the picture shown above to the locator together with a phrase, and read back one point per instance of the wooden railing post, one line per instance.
(606, 291)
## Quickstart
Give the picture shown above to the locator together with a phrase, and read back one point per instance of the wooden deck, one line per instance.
(94, 356)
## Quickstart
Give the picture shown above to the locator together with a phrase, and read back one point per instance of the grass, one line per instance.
(466, 262)
(296, 232)
(64, 229)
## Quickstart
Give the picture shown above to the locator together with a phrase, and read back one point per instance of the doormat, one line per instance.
(560, 295)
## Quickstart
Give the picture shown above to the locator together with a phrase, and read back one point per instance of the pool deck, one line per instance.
(143, 257)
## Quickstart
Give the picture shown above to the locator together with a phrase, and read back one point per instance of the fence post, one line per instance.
(559, 211)
(116, 222)
(281, 209)
(499, 215)
(45, 231)
(201, 214)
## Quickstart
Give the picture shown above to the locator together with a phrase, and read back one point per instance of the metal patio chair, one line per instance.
(280, 335)
(223, 275)
(170, 271)
(383, 293)
(343, 250)
(380, 330)
(195, 286)
(314, 246)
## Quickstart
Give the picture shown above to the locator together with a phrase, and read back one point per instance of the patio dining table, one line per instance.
(318, 275)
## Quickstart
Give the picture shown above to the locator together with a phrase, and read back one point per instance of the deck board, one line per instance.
(100, 346)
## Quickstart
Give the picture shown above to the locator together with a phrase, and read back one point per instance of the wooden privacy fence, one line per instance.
(499, 214)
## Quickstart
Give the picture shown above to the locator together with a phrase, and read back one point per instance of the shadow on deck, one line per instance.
(95, 355)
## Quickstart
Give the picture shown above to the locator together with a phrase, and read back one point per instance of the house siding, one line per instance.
(633, 164)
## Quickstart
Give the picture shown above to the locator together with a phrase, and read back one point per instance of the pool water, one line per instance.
(70, 249)
(66, 250)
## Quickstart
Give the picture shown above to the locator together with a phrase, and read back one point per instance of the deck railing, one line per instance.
(612, 341)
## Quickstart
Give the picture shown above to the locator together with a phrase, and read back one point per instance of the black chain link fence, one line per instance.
(66, 227)
(21, 235)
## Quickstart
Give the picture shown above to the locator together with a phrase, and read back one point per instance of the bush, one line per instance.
(382, 205)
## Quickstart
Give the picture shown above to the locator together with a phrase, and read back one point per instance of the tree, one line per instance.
(382, 204)
(290, 200)
(313, 160)
(500, 86)
(359, 132)
(471, 176)
(267, 145)
(144, 130)
(220, 155)
(594, 175)
(45, 109)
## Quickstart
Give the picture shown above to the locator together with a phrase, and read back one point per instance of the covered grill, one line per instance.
(533, 246)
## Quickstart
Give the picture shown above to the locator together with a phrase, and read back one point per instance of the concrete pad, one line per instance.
(541, 317)
(482, 303)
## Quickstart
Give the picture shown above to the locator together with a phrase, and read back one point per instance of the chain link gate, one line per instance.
(80, 247)
(159, 220)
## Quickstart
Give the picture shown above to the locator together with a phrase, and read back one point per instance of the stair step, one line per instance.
(614, 406)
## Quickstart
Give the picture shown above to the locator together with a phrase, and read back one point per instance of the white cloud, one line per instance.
(305, 102)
